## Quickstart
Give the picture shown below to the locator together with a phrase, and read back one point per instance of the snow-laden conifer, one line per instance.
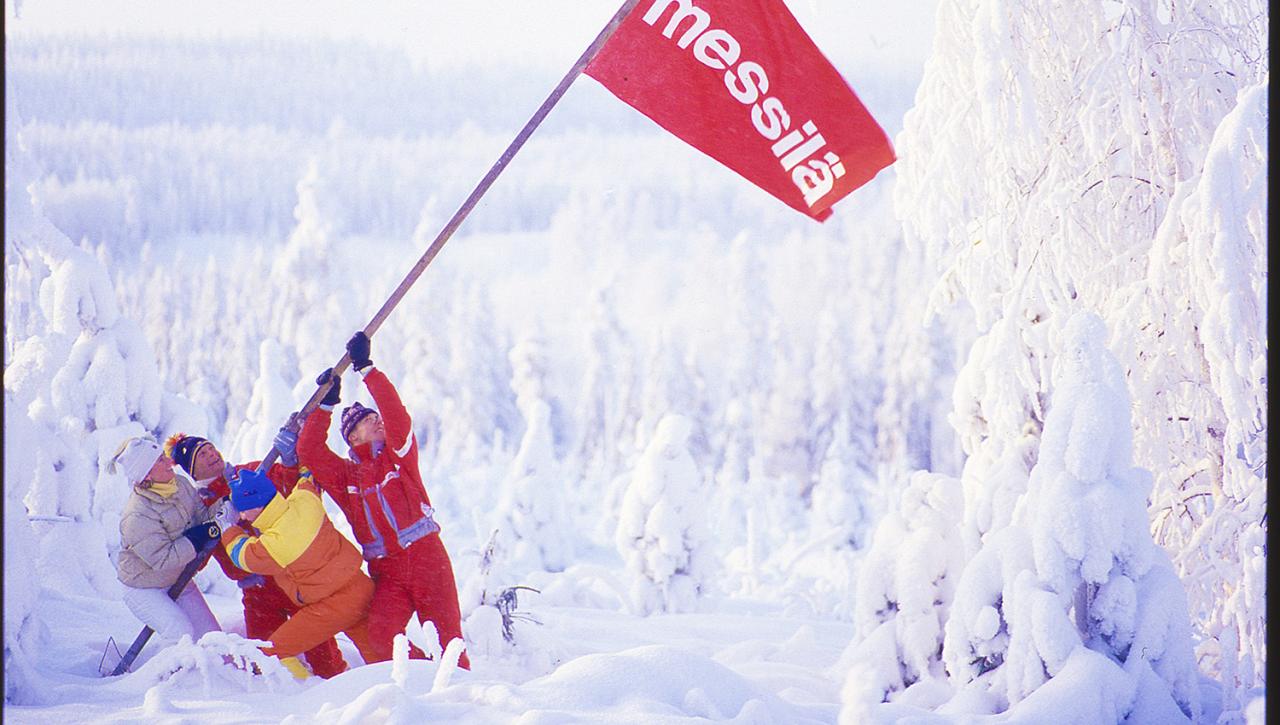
(607, 411)
(1076, 568)
(533, 518)
(83, 380)
(662, 533)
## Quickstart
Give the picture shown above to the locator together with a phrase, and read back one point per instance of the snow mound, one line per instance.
(652, 683)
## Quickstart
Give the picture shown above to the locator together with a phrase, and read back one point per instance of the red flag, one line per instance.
(742, 82)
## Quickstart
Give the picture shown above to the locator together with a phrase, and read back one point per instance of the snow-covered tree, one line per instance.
(667, 388)
(904, 588)
(661, 530)
(314, 307)
(1077, 568)
(81, 381)
(607, 411)
(479, 381)
(840, 505)
(25, 633)
(917, 370)
(533, 521)
(1112, 175)
(749, 309)
(1204, 420)
(270, 404)
(87, 382)
(743, 389)
(822, 571)
(201, 321)
(830, 377)
(783, 425)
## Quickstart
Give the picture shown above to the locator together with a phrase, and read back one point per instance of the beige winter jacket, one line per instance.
(153, 550)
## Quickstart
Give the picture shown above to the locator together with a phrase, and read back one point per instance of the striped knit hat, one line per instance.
(351, 415)
(183, 448)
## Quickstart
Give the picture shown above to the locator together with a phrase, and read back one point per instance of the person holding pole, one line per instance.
(163, 527)
(314, 564)
(380, 489)
(266, 606)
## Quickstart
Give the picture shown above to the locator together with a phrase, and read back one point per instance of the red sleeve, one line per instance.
(313, 452)
(307, 482)
(284, 477)
(214, 492)
(394, 415)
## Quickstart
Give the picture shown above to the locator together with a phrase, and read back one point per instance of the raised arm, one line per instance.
(313, 441)
(395, 418)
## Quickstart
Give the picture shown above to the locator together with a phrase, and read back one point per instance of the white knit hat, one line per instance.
(134, 459)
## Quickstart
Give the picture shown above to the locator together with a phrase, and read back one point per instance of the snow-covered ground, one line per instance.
(989, 445)
(738, 659)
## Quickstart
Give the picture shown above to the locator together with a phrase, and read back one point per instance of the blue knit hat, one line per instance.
(251, 490)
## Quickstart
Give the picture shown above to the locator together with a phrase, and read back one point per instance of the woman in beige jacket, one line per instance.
(164, 525)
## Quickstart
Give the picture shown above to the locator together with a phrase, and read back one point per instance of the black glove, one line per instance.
(201, 535)
(358, 351)
(334, 396)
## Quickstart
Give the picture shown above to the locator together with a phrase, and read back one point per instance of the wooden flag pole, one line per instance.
(295, 420)
(465, 209)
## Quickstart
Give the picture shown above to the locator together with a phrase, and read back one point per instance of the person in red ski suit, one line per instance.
(380, 490)
(266, 606)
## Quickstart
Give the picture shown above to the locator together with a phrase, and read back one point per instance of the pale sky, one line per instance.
(442, 33)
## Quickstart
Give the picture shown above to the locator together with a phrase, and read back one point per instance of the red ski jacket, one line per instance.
(380, 491)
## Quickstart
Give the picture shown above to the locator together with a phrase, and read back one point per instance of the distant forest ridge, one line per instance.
(146, 138)
(140, 81)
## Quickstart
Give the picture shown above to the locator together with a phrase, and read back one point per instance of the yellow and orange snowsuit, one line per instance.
(315, 565)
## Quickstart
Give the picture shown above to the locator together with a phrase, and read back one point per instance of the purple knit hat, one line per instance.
(351, 415)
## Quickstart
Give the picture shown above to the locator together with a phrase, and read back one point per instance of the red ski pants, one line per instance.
(266, 607)
(417, 579)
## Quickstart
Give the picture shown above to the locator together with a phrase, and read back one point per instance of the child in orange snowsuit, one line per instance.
(310, 560)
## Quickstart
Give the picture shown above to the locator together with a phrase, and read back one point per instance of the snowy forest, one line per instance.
(988, 445)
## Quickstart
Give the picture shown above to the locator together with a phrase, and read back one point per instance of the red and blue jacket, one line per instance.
(380, 490)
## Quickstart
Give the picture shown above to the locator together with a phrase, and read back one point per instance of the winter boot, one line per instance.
(295, 666)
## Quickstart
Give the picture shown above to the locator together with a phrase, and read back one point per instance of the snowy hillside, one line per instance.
(987, 445)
